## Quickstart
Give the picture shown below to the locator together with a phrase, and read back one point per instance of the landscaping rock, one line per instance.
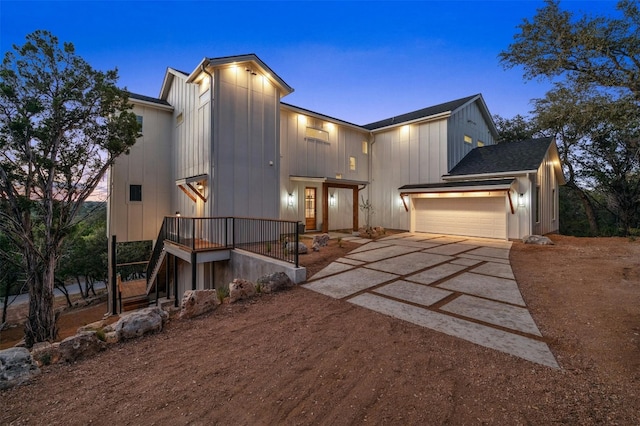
(198, 302)
(301, 247)
(92, 327)
(315, 247)
(16, 367)
(322, 240)
(537, 239)
(45, 353)
(139, 323)
(241, 289)
(274, 282)
(80, 346)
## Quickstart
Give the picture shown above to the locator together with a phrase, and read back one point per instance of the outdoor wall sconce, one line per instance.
(290, 200)
(177, 214)
(200, 186)
(521, 199)
(332, 200)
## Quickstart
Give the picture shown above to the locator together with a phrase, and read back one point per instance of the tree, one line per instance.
(62, 126)
(514, 129)
(593, 109)
(601, 51)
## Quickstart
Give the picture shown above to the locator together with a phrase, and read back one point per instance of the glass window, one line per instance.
(468, 139)
(135, 192)
(480, 143)
(352, 163)
(365, 147)
(318, 135)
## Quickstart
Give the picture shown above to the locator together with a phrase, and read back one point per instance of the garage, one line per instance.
(472, 216)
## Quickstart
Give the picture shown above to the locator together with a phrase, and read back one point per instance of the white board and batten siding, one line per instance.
(469, 121)
(246, 149)
(408, 154)
(190, 129)
(326, 157)
(148, 165)
(547, 182)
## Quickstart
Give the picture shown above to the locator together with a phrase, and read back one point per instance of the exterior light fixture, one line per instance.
(200, 186)
(521, 199)
(332, 200)
(290, 200)
(177, 214)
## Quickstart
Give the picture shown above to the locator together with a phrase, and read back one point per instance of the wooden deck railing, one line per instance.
(268, 237)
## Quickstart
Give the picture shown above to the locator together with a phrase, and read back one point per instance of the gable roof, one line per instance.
(139, 99)
(251, 58)
(447, 107)
(504, 157)
(321, 116)
(169, 75)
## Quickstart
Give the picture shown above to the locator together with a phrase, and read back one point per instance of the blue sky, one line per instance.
(357, 61)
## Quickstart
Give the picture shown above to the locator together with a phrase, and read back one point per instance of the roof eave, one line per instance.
(150, 104)
(429, 118)
(480, 176)
(239, 59)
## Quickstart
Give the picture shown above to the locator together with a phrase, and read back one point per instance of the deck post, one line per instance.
(175, 280)
(297, 241)
(114, 273)
(194, 270)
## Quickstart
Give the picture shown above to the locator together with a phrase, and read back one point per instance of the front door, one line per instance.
(310, 208)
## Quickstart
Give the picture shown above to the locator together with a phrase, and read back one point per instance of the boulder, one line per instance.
(198, 302)
(315, 247)
(45, 353)
(139, 323)
(537, 239)
(92, 327)
(274, 282)
(322, 240)
(241, 289)
(82, 345)
(301, 247)
(16, 367)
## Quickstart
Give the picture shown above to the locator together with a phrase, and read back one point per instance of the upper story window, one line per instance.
(480, 143)
(139, 120)
(179, 119)
(135, 192)
(468, 139)
(314, 134)
(352, 163)
(365, 147)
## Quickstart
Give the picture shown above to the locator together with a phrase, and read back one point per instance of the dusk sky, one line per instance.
(357, 61)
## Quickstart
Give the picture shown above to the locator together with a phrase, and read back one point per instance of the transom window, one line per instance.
(468, 139)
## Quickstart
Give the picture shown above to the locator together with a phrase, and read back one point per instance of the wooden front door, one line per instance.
(310, 208)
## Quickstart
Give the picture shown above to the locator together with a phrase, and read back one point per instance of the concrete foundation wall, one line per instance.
(250, 266)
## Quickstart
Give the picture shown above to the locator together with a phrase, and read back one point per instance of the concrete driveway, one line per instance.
(460, 286)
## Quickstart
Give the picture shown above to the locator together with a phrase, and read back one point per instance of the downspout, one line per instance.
(211, 150)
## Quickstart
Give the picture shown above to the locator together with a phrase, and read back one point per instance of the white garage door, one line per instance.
(473, 216)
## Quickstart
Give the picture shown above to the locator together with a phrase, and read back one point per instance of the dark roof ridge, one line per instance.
(421, 113)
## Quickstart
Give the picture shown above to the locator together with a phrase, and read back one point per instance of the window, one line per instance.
(179, 119)
(139, 120)
(352, 163)
(135, 192)
(317, 135)
(468, 139)
(365, 147)
(480, 143)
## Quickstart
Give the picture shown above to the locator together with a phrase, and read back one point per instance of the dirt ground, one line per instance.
(299, 357)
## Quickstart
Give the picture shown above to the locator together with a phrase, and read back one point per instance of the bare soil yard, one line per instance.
(302, 358)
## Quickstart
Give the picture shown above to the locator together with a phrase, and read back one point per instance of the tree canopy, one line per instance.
(62, 124)
(594, 108)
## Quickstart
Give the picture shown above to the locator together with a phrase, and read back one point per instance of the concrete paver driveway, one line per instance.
(460, 286)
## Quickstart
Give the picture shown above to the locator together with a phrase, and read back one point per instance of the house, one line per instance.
(218, 142)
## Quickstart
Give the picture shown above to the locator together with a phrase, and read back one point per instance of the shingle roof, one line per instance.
(456, 185)
(148, 99)
(421, 113)
(503, 157)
